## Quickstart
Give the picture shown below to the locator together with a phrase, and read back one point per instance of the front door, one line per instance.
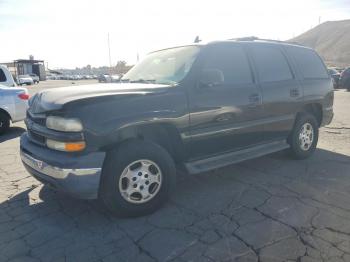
(226, 116)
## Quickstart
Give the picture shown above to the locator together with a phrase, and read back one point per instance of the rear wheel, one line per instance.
(4, 123)
(137, 178)
(347, 84)
(304, 137)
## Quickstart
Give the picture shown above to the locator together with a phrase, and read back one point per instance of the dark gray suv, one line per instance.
(198, 107)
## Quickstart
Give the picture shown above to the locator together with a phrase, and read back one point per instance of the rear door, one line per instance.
(313, 73)
(282, 94)
(225, 117)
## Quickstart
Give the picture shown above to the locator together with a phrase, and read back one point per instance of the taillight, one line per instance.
(23, 96)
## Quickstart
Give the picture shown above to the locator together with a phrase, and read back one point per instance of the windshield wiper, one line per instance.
(148, 81)
(144, 81)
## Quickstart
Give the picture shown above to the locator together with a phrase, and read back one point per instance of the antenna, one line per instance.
(109, 55)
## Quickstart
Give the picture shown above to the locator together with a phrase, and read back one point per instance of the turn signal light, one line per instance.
(72, 147)
(66, 146)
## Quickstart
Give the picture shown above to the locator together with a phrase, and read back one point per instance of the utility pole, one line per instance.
(109, 56)
(319, 20)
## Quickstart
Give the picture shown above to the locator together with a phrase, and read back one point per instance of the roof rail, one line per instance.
(247, 38)
(254, 38)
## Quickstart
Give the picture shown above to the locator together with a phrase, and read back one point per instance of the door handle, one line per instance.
(254, 100)
(294, 92)
(225, 117)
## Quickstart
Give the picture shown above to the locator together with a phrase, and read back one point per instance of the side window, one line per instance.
(232, 61)
(2, 76)
(309, 63)
(271, 64)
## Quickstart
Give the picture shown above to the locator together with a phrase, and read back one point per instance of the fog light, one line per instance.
(66, 146)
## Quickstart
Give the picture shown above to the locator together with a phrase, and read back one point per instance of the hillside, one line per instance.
(331, 40)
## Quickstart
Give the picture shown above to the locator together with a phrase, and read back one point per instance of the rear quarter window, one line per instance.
(309, 63)
(2, 76)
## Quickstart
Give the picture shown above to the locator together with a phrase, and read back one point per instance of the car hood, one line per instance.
(55, 98)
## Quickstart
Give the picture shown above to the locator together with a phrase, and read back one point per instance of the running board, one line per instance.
(215, 162)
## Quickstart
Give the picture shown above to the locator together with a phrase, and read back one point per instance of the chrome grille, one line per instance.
(36, 138)
(33, 136)
(38, 119)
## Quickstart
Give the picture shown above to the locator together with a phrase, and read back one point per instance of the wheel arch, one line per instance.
(315, 109)
(2, 110)
(163, 134)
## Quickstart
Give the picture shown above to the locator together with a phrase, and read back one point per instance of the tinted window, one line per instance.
(271, 64)
(232, 61)
(308, 62)
(2, 76)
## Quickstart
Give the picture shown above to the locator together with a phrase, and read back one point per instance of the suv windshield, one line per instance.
(163, 67)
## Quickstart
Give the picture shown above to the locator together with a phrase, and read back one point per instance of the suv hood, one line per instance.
(55, 98)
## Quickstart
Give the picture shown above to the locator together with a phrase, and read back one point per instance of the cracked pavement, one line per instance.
(268, 209)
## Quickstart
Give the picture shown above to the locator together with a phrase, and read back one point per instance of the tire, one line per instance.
(347, 84)
(115, 178)
(302, 144)
(4, 123)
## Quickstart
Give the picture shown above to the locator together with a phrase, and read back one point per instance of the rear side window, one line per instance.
(232, 61)
(2, 76)
(271, 64)
(308, 62)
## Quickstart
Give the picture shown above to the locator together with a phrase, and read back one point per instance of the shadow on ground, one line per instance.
(267, 209)
(12, 133)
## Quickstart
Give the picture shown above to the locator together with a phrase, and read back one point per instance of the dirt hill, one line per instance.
(331, 40)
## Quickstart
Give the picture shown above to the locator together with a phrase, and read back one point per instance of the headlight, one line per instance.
(65, 146)
(64, 124)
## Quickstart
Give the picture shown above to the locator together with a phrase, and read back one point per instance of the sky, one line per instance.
(69, 34)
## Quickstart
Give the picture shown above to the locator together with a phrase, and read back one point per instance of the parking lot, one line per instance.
(57, 83)
(268, 209)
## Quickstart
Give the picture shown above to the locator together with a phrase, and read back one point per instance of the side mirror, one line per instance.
(211, 77)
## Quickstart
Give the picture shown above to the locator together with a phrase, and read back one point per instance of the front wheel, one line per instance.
(304, 137)
(137, 178)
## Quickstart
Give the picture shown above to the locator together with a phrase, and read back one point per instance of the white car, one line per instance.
(25, 80)
(13, 106)
(6, 78)
(35, 78)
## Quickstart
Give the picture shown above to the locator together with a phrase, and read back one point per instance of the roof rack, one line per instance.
(247, 38)
(254, 38)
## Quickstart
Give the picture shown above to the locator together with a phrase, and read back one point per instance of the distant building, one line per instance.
(27, 66)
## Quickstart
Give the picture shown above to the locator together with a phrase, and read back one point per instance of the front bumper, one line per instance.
(77, 175)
